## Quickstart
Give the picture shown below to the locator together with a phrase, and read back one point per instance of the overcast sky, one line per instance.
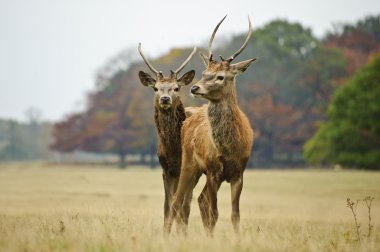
(51, 49)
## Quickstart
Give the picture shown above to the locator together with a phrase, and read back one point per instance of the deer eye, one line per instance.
(220, 77)
(155, 89)
(176, 89)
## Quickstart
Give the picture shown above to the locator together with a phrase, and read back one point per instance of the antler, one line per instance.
(230, 59)
(179, 69)
(212, 38)
(245, 42)
(147, 62)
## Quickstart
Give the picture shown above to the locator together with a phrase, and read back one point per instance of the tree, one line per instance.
(351, 137)
(112, 123)
(119, 114)
(15, 149)
(285, 94)
(356, 41)
(24, 141)
(287, 90)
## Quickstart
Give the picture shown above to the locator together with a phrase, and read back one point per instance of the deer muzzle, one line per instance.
(165, 102)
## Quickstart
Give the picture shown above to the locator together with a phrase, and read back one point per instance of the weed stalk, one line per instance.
(368, 201)
(353, 206)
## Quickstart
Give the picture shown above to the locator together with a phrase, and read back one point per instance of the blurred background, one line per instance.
(69, 90)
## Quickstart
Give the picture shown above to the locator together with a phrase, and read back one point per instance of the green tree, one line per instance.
(351, 137)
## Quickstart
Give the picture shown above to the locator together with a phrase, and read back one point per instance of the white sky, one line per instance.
(50, 49)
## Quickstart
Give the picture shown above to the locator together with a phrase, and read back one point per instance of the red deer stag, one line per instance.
(216, 141)
(169, 115)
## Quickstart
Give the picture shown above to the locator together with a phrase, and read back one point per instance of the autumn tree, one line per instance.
(119, 114)
(112, 123)
(356, 41)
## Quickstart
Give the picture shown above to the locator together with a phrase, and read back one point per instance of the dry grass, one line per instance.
(56, 208)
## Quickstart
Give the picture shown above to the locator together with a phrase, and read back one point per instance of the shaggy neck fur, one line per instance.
(168, 124)
(224, 118)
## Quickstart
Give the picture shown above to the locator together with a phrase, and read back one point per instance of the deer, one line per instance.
(216, 141)
(169, 115)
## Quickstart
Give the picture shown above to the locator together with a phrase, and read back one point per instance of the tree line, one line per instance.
(287, 95)
(25, 141)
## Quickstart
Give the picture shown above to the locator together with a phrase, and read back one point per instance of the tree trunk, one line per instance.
(122, 159)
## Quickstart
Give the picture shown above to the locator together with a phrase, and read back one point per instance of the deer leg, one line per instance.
(170, 185)
(204, 206)
(165, 178)
(183, 215)
(185, 210)
(186, 184)
(236, 187)
(213, 185)
(167, 199)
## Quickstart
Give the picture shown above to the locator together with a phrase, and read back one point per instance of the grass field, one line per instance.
(56, 208)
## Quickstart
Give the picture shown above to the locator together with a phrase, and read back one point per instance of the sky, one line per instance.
(50, 50)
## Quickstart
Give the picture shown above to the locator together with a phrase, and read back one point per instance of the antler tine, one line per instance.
(245, 42)
(179, 69)
(213, 35)
(147, 62)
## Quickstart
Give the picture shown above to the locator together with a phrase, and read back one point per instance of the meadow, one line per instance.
(46, 207)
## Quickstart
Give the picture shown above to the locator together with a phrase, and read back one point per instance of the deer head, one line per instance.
(218, 79)
(166, 88)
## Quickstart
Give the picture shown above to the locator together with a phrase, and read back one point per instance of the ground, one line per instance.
(46, 207)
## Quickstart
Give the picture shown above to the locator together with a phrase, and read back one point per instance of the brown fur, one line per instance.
(217, 141)
(169, 115)
(168, 124)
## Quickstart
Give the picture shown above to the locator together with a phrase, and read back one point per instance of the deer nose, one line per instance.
(194, 89)
(165, 99)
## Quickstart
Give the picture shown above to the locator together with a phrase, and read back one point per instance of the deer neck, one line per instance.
(223, 116)
(168, 124)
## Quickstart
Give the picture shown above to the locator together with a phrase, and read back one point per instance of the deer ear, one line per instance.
(146, 79)
(204, 58)
(187, 78)
(241, 66)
